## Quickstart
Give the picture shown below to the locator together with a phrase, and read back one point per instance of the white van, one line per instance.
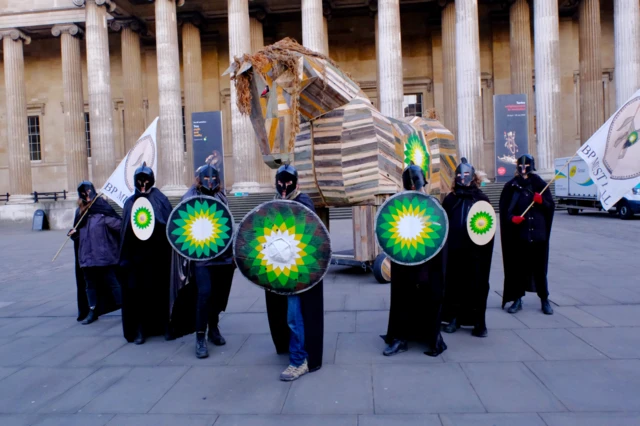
(576, 191)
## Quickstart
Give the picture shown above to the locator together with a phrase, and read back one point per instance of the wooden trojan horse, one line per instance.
(307, 112)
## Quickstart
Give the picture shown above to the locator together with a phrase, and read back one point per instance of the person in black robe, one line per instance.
(468, 264)
(525, 239)
(416, 293)
(146, 265)
(296, 322)
(95, 240)
(212, 278)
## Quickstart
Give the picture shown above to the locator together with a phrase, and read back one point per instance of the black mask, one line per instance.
(413, 178)
(144, 179)
(209, 179)
(286, 180)
(525, 165)
(86, 191)
(464, 173)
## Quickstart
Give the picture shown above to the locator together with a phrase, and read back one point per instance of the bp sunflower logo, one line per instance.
(142, 217)
(200, 228)
(282, 247)
(411, 227)
(415, 152)
(481, 223)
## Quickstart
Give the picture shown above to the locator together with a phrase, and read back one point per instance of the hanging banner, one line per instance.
(208, 145)
(510, 114)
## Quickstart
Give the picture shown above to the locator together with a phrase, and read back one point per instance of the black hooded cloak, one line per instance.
(312, 302)
(468, 264)
(147, 267)
(525, 247)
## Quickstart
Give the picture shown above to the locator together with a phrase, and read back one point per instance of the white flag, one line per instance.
(613, 153)
(120, 185)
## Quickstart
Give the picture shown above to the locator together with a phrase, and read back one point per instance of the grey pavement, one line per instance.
(580, 366)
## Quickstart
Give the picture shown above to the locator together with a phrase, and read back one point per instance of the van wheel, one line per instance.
(382, 269)
(573, 212)
(624, 210)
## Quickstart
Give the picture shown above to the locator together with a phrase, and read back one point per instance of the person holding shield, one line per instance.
(145, 257)
(95, 240)
(468, 263)
(525, 237)
(417, 290)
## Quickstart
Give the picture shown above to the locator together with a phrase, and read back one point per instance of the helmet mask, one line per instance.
(144, 179)
(86, 192)
(413, 178)
(464, 173)
(208, 180)
(286, 181)
(525, 165)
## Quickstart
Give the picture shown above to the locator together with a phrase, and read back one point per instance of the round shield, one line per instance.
(200, 228)
(143, 219)
(481, 223)
(411, 227)
(283, 247)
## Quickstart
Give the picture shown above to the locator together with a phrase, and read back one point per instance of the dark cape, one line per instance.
(525, 247)
(147, 266)
(312, 302)
(106, 302)
(468, 264)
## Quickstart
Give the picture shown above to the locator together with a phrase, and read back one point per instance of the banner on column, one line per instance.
(207, 140)
(511, 133)
(120, 185)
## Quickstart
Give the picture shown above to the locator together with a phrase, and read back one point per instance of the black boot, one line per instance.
(396, 347)
(140, 337)
(546, 307)
(515, 306)
(215, 337)
(92, 317)
(201, 345)
(479, 330)
(451, 327)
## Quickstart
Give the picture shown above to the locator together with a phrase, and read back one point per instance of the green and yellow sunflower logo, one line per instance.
(282, 247)
(142, 217)
(200, 228)
(481, 223)
(411, 228)
(415, 152)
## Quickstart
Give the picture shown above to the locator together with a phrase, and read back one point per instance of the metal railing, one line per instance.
(5, 197)
(39, 196)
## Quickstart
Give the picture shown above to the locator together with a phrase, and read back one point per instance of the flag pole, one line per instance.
(75, 226)
(549, 183)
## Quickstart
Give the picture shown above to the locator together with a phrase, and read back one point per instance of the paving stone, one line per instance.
(580, 317)
(218, 355)
(334, 389)
(287, 420)
(617, 343)
(31, 388)
(260, 305)
(5, 372)
(619, 315)
(366, 348)
(558, 344)
(500, 345)
(494, 300)
(17, 325)
(510, 387)
(399, 420)
(49, 328)
(226, 390)
(78, 351)
(622, 295)
(73, 420)
(162, 420)
(497, 320)
(429, 388)
(13, 309)
(41, 310)
(589, 297)
(103, 324)
(137, 392)
(240, 304)
(534, 318)
(340, 322)
(84, 392)
(372, 321)
(258, 349)
(25, 348)
(334, 302)
(561, 299)
(592, 385)
(520, 419)
(66, 309)
(591, 419)
(155, 351)
(365, 303)
(17, 419)
(244, 323)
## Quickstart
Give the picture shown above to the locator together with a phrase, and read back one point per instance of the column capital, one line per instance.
(71, 29)
(15, 35)
(133, 24)
(109, 4)
(194, 18)
(259, 13)
(179, 3)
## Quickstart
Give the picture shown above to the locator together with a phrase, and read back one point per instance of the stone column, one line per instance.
(134, 114)
(389, 56)
(546, 35)
(244, 159)
(103, 157)
(591, 96)
(325, 24)
(75, 142)
(265, 175)
(470, 142)
(521, 60)
(20, 185)
(626, 27)
(170, 139)
(450, 93)
(313, 34)
(193, 86)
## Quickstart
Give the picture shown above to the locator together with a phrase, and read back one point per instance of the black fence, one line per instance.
(4, 197)
(55, 196)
